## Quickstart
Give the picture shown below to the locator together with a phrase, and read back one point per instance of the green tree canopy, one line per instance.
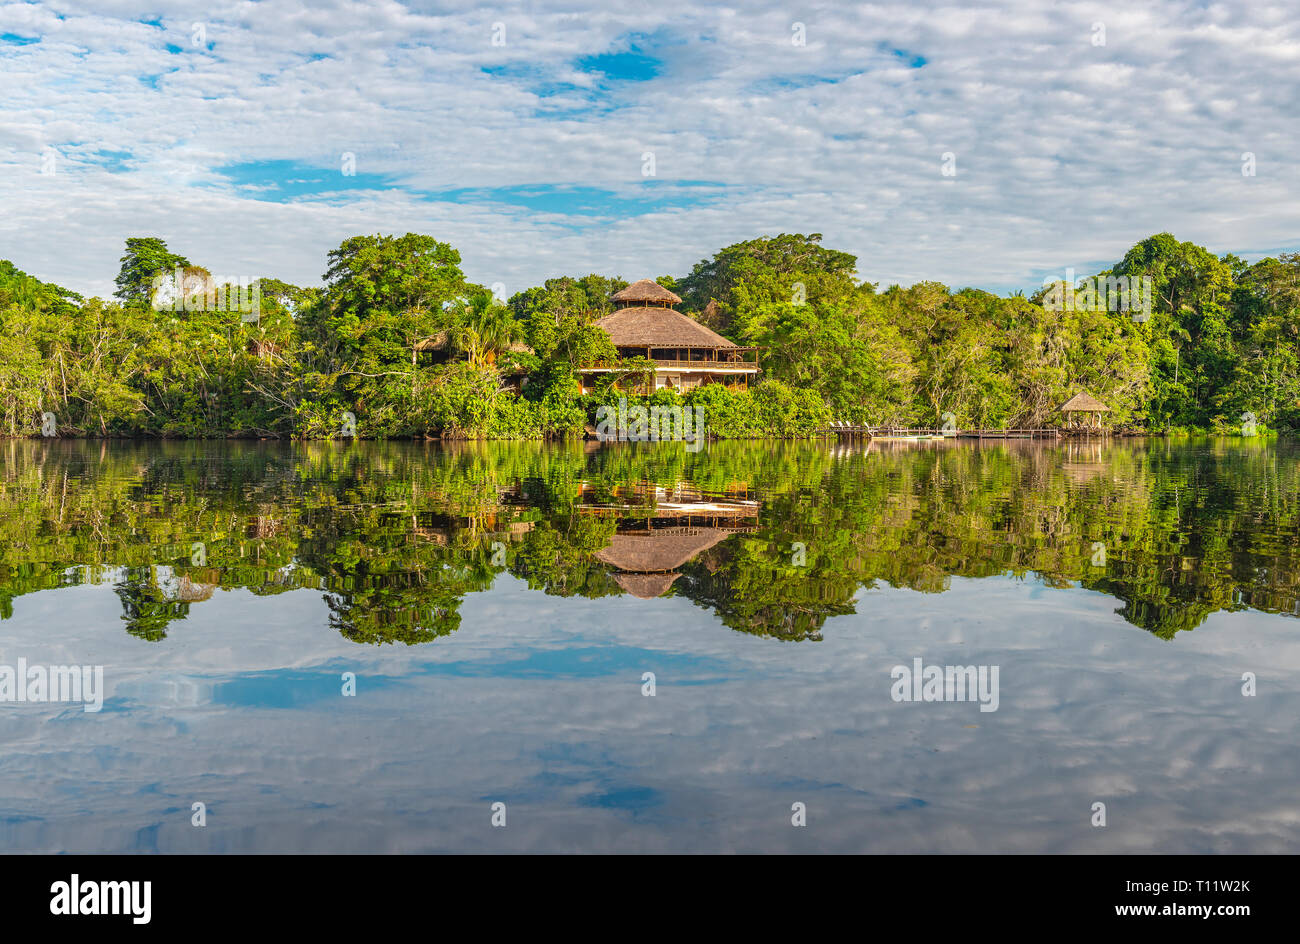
(146, 258)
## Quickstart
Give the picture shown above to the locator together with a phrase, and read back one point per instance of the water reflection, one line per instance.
(660, 529)
(774, 539)
(499, 605)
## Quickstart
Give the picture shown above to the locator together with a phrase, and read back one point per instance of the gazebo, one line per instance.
(1083, 411)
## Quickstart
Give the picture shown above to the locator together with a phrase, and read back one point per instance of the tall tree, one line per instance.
(789, 268)
(382, 295)
(146, 258)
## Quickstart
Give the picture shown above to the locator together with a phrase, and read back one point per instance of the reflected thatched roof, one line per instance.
(187, 591)
(645, 290)
(1084, 402)
(1082, 472)
(646, 586)
(658, 327)
(659, 551)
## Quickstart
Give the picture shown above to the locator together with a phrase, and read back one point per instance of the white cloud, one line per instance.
(1066, 152)
(1091, 708)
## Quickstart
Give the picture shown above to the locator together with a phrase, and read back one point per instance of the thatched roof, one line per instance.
(658, 327)
(646, 586)
(659, 551)
(1084, 402)
(189, 592)
(1081, 472)
(435, 342)
(645, 290)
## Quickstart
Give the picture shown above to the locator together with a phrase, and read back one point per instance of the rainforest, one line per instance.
(397, 343)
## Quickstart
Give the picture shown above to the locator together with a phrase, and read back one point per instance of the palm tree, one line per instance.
(485, 330)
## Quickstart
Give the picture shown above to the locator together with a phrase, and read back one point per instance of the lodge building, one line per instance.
(686, 354)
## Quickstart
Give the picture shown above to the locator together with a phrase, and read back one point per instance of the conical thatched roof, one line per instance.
(645, 290)
(1082, 472)
(1084, 402)
(189, 592)
(658, 327)
(660, 551)
(646, 586)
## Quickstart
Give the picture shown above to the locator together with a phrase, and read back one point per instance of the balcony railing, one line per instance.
(737, 364)
(741, 360)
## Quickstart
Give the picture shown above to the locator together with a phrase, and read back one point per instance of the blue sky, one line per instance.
(544, 139)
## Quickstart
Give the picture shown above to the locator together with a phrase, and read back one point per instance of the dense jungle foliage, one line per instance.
(1222, 341)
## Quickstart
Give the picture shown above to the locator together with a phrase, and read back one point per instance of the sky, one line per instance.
(991, 145)
(537, 701)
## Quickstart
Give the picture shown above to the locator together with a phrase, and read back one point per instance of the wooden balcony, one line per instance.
(743, 360)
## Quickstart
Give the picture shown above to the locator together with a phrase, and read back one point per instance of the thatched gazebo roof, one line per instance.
(190, 592)
(1084, 402)
(659, 551)
(645, 290)
(1082, 472)
(658, 327)
(646, 586)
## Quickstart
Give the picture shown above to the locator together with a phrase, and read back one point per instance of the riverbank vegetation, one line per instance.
(398, 343)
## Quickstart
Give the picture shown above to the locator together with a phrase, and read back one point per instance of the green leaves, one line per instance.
(146, 258)
(398, 337)
(744, 277)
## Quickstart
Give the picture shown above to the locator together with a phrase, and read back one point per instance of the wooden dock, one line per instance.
(1043, 433)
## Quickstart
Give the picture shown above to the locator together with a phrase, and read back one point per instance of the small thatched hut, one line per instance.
(1083, 411)
(438, 344)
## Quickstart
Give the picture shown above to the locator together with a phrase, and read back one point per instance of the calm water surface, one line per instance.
(500, 605)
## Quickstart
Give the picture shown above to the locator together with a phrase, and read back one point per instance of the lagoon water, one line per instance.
(500, 606)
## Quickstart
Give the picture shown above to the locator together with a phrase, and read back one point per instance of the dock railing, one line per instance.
(841, 428)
